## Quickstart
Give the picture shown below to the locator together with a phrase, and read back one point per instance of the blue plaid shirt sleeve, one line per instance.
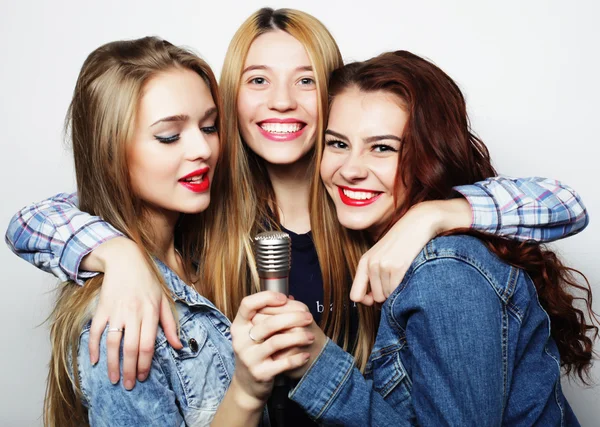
(54, 235)
(534, 208)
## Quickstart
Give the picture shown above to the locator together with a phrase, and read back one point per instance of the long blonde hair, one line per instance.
(100, 121)
(246, 202)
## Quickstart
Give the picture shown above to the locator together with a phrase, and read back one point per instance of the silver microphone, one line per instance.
(273, 252)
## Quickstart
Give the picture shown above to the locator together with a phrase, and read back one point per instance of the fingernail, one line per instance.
(128, 384)
(281, 297)
(310, 336)
(308, 316)
(142, 377)
(93, 361)
(114, 378)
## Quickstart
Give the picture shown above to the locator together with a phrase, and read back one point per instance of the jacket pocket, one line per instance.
(200, 365)
(390, 378)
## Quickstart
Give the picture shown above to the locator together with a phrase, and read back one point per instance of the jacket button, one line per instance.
(193, 345)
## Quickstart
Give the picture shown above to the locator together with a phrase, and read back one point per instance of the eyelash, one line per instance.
(379, 148)
(209, 130)
(312, 81)
(254, 80)
(167, 139)
(385, 147)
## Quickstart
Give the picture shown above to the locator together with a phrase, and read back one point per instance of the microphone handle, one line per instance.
(278, 400)
(275, 284)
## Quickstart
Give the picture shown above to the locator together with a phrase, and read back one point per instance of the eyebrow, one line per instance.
(184, 117)
(264, 67)
(368, 140)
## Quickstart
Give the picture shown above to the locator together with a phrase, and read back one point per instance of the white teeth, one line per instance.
(359, 195)
(195, 179)
(281, 127)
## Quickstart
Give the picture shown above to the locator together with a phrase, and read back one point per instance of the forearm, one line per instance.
(333, 391)
(525, 208)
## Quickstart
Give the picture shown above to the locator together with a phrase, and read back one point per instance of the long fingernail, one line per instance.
(114, 378)
(128, 384)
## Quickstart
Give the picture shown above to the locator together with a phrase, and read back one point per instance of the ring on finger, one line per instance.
(116, 329)
(257, 341)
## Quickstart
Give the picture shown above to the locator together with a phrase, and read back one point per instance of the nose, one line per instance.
(198, 147)
(281, 98)
(354, 168)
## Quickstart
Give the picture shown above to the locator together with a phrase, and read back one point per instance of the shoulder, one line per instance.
(453, 267)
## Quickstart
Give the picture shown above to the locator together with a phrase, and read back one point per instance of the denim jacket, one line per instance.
(463, 341)
(184, 386)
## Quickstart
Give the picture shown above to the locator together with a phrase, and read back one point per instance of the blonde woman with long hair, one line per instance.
(144, 123)
(274, 89)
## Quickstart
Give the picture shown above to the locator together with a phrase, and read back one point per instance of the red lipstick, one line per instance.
(196, 186)
(354, 202)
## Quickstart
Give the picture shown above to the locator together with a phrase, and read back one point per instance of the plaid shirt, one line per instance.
(54, 235)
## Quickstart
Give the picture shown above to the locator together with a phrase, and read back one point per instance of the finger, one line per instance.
(270, 369)
(385, 276)
(375, 281)
(97, 327)
(396, 278)
(113, 346)
(131, 344)
(280, 322)
(169, 325)
(368, 299)
(281, 342)
(288, 307)
(149, 329)
(252, 303)
(361, 281)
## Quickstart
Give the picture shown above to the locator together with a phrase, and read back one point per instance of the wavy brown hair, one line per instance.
(439, 152)
(100, 123)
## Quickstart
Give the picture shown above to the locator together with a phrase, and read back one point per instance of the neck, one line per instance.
(291, 184)
(162, 224)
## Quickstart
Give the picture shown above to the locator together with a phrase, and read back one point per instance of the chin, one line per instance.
(354, 223)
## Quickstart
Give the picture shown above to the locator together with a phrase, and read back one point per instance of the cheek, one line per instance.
(328, 168)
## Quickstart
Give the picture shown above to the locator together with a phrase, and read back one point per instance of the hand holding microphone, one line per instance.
(255, 344)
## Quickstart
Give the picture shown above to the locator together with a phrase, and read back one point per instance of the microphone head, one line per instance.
(273, 251)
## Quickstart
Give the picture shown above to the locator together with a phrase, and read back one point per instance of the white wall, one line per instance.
(528, 69)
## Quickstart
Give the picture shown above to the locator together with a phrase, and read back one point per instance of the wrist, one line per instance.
(109, 252)
(242, 399)
(446, 215)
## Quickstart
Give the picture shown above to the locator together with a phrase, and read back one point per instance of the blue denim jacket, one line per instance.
(463, 341)
(184, 386)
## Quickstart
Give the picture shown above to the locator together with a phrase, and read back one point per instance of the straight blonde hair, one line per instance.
(100, 121)
(246, 202)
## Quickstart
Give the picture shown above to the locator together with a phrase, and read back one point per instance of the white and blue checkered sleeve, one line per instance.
(534, 208)
(54, 235)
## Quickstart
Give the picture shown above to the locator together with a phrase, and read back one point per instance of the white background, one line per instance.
(529, 71)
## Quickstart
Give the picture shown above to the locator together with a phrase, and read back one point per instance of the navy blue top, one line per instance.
(306, 285)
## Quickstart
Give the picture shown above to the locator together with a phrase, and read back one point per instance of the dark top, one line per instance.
(306, 285)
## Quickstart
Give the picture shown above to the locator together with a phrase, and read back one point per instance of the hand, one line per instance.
(383, 266)
(313, 349)
(255, 345)
(130, 298)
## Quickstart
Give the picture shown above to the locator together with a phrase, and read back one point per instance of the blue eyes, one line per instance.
(208, 130)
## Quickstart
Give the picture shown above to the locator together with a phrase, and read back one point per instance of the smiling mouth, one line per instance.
(358, 197)
(281, 128)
